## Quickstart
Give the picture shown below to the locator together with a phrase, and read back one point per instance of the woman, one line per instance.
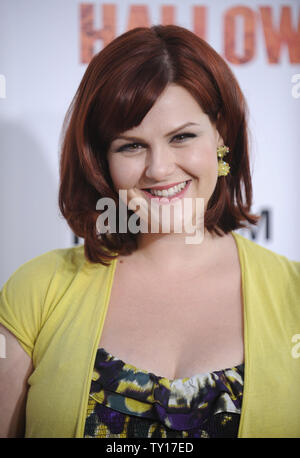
(142, 332)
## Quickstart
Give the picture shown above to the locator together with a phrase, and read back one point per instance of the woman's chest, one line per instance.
(175, 327)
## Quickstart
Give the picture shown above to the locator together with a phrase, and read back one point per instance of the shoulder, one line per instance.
(263, 265)
(42, 269)
(252, 251)
(48, 275)
(52, 260)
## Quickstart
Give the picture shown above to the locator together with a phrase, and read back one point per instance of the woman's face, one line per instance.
(175, 143)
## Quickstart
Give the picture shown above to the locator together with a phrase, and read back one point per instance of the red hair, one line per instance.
(119, 87)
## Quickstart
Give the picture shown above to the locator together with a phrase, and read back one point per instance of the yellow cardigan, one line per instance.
(56, 306)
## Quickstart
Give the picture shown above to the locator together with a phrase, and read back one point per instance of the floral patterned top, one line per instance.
(127, 402)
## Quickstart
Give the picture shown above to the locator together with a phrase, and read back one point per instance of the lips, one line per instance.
(167, 186)
(165, 198)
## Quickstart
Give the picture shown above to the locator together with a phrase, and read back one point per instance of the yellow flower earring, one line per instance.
(223, 167)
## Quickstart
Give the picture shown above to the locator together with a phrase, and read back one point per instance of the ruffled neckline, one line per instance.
(180, 404)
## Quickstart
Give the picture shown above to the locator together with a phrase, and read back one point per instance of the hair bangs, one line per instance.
(126, 103)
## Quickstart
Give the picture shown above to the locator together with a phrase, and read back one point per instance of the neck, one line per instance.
(171, 252)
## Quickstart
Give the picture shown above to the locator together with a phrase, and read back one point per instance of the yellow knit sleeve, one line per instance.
(21, 301)
(24, 298)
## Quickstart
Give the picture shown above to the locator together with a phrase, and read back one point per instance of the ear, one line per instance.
(220, 141)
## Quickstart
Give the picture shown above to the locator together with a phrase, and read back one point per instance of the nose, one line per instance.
(160, 164)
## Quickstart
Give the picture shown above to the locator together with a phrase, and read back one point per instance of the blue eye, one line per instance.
(182, 137)
(130, 147)
(136, 147)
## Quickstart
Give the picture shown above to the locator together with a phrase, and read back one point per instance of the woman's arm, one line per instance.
(15, 368)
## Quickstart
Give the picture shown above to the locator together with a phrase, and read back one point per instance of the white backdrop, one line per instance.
(41, 66)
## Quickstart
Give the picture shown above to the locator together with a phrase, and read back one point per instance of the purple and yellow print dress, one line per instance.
(126, 402)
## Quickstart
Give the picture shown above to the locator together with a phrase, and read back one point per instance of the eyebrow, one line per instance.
(131, 138)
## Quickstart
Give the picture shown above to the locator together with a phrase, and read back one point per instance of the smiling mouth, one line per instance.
(175, 191)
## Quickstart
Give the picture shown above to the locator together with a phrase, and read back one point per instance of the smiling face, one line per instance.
(175, 143)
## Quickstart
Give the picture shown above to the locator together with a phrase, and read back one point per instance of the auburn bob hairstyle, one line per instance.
(121, 84)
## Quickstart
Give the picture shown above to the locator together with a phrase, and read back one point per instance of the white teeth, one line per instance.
(169, 192)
